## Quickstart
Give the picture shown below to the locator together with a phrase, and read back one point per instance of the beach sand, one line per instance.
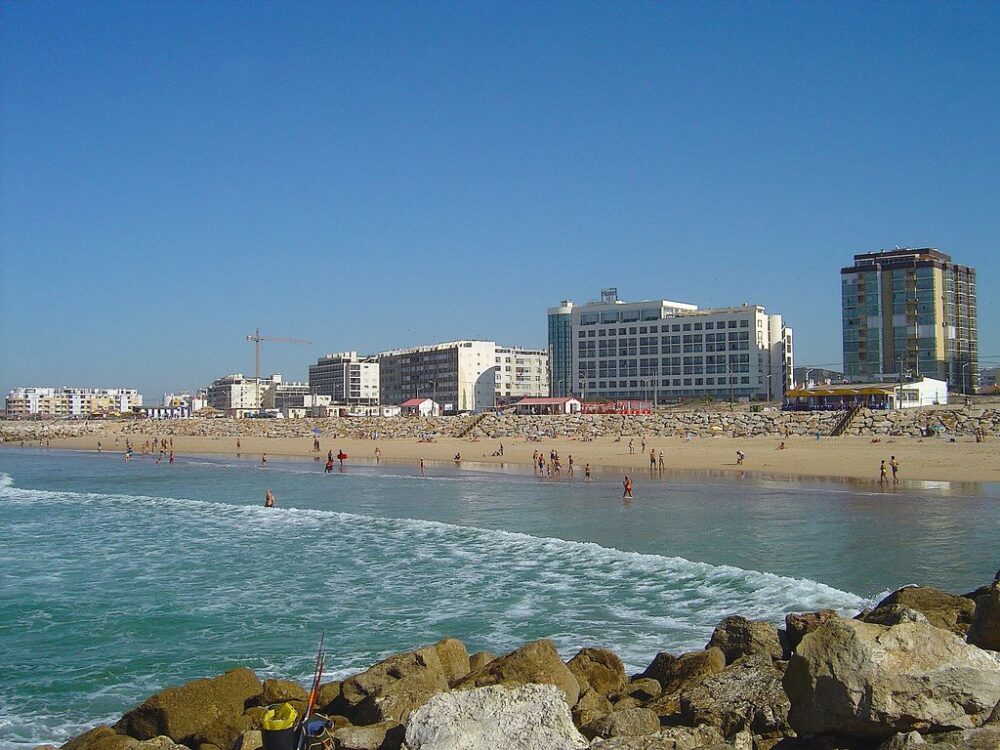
(855, 458)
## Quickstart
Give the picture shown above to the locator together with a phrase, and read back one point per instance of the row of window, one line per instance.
(667, 327)
(674, 382)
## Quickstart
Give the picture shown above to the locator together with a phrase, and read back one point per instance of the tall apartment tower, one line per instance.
(910, 312)
(561, 349)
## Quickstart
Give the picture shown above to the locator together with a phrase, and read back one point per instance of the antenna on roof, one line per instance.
(610, 294)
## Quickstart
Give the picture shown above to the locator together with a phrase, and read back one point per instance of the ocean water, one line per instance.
(118, 579)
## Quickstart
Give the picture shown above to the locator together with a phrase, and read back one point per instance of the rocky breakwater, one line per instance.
(358, 428)
(941, 421)
(922, 669)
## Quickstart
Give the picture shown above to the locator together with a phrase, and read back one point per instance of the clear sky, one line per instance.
(376, 175)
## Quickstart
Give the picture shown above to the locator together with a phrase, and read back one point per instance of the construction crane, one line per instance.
(256, 338)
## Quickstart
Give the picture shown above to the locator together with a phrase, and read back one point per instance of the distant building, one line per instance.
(281, 396)
(910, 312)
(551, 405)
(462, 376)
(346, 378)
(887, 395)
(660, 350)
(238, 396)
(419, 407)
(193, 402)
(66, 401)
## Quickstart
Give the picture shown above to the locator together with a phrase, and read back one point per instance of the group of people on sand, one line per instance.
(554, 466)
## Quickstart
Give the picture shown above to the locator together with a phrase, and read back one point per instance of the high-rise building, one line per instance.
(910, 313)
(346, 378)
(664, 351)
(561, 349)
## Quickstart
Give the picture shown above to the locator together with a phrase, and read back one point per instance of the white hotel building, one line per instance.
(666, 351)
(346, 378)
(462, 376)
(69, 402)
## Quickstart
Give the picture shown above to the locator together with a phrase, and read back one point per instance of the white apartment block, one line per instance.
(521, 373)
(462, 376)
(69, 402)
(662, 350)
(346, 378)
(239, 396)
(282, 396)
(192, 401)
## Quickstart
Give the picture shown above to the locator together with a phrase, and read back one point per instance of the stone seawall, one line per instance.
(944, 421)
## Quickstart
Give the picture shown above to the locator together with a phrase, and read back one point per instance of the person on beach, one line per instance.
(627, 484)
(740, 455)
(98, 446)
(421, 466)
(643, 444)
(237, 445)
(652, 459)
(171, 457)
(661, 460)
(269, 499)
(782, 446)
(586, 473)
(378, 454)
(631, 446)
(328, 468)
(458, 458)
(263, 459)
(883, 473)
(894, 465)
(341, 456)
(569, 462)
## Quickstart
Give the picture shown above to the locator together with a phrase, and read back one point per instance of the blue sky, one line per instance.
(366, 176)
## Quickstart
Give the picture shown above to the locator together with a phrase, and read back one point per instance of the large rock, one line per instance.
(985, 628)
(630, 722)
(422, 665)
(737, 637)
(657, 669)
(528, 717)
(454, 658)
(942, 610)
(180, 713)
(745, 695)
(592, 705)
(226, 730)
(857, 679)
(693, 666)
(480, 659)
(103, 737)
(598, 669)
(798, 624)
(280, 691)
(536, 662)
(394, 701)
(387, 735)
(668, 738)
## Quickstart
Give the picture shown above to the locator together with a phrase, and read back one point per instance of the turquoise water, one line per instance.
(117, 579)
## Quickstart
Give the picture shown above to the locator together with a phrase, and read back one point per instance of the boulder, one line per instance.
(893, 614)
(668, 738)
(103, 737)
(250, 740)
(279, 691)
(180, 713)
(536, 662)
(327, 697)
(982, 738)
(692, 666)
(591, 705)
(385, 736)
(745, 695)
(89, 739)
(394, 701)
(527, 717)
(226, 730)
(480, 659)
(644, 689)
(454, 658)
(630, 722)
(942, 610)
(985, 628)
(657, 669)
(599, 669)
(903, 741)
(857, 679)
(737, 637)
(798, 624)
(422, 665)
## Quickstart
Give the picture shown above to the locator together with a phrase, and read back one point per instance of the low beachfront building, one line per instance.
(884, 395)
(65, 401)
(659, 350)
(193, 401)
(163, 412)
(239, 396)
(419, 407)
(553, 405)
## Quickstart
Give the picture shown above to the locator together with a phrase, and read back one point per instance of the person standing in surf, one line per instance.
(269, 498)
(627, 484)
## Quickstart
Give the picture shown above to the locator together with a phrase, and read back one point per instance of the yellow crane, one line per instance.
(256, 338)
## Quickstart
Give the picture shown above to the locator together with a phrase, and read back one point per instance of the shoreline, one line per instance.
(854, 460)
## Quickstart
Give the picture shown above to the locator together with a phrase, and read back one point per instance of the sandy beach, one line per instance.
(854, 458)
